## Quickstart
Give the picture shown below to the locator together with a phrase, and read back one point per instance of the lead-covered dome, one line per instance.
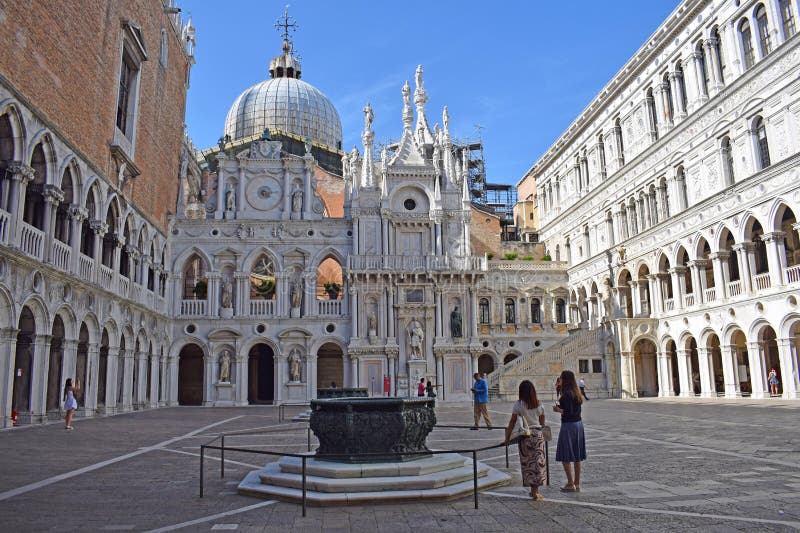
(287, 103)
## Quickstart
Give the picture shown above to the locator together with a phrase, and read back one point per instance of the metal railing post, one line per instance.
(506, 455)
(475, 476)
(308, 434)
(547, 460)
(304, 486)
(202, 460)
(222, 458)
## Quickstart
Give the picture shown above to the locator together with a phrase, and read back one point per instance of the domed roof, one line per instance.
(287, 103)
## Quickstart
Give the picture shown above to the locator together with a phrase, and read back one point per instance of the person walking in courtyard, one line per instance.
(582, 386)
(558, 386)
(773, 382)
(429, 390)
(571, 447)
(70, 403)
(531, 448)
(421, 387)
(480, 391)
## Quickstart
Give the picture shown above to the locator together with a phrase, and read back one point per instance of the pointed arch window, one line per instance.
(787, 18)
(762, 146)
(763, 30)
(716, 45)
(747, 44)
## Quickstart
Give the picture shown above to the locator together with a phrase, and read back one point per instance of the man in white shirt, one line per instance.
(582, 386)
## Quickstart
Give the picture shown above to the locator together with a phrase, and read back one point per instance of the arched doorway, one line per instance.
(261, 374)
(715, 360)
(769, 350)
(741, 363)
(672, 361)
(82, 361)
(644, 363)
(23, 362)
(102, 370)
(190, 375)
(485, 364)
(508, 358)
(330, 366)
(794, 350)
(54, 368)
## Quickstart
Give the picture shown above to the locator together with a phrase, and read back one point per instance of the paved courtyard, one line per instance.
(653, 465)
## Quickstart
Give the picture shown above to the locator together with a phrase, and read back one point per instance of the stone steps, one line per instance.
(403, 490)
(330, 469)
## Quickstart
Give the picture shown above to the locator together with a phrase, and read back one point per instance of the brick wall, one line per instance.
(63, 57)
(484, 233)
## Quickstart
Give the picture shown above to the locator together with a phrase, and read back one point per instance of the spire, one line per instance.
(408, 114)
(285, 65)
(422, 131)
(464, 168)
(446, 122)
(367, 137)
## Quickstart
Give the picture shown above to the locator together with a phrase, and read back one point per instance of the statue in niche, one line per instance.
(225, 367)
(296, 294)
(297, 201)
(416, 338)
(227, 294)
(295, 366)
(455, 323)
(372, 321)
(230, 199)
(307, 144)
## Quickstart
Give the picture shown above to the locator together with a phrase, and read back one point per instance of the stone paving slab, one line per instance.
(654, 465)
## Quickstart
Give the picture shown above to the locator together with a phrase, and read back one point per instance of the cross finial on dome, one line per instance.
(287, 23)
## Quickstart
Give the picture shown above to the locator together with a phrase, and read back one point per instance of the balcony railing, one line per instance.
(4, 220)
(86, 267)
(415, 262)
(61, 254)
(31, 241)
(688, 300)
(124, 286)
(329, 307)
(762, 281)
(106, 278)
(193, 307)
(734, 288)
(710, 294)
(669, 304)
(793, 274)
(262, 307)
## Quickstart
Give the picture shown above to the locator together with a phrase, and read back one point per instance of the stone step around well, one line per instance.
(330, 469)
(252, 486)
(272, 475)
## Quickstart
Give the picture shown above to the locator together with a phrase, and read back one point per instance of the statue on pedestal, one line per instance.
(295, 366)
(227, 294)
(230, 199)
(296, 291)
(225, 367)
(297, 201)
(373, 323)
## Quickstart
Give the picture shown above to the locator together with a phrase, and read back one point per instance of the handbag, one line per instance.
(547, 433)
(521, 429)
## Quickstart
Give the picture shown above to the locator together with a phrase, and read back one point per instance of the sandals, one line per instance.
(569, 488)
(538, 497)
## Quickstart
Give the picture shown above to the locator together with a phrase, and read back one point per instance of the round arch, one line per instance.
(38, 308)
(10, 108)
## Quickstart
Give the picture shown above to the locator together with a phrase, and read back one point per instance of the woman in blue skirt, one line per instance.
(571, 448)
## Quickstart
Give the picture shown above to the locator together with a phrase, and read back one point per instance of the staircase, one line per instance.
(543, 366)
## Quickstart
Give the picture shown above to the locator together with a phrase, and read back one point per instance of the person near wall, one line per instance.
(70, 403)
(571, 447)
(773, 382)
(480, 391)
(429, 390)
(531, 447)
(421, 387)
(582, 386)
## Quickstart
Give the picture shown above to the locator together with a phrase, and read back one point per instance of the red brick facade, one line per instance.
(63, 58)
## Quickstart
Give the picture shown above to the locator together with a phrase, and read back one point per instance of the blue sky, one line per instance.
(522, 71)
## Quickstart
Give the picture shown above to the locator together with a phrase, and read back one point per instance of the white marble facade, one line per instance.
(673, 197)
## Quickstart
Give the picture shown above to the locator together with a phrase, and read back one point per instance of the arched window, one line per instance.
(726, 152)
(62, 229)
(561, 311)
(511, 314)
(34, 193)
(621, 144)
(263, 282)
(150, 270)
(747, 44)
(652, 116)
(787, 18)
(601, 151)
(195, 284)
(587, 242)
(702, 63)
(680, 86)
(484, 311)
(610, 228)
(536, 311)
(6, 156)
(716, 45)
(87, 233)
(762, 147)
(763, 30)
(110, 239)
(680, 182)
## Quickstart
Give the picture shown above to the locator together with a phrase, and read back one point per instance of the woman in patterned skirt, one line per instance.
(531, 448)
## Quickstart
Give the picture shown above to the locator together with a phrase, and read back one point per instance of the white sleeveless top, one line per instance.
(531, 415)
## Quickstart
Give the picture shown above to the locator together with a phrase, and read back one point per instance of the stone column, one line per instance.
(707, 389)
(172, 387)
(626, 375)
(636, 303)
(745, 256)
(678, 285)
(719, 262)
(354, 310)
(390, 323)
(21, 175)
(619, 152)
(776, 257)
(213, 293)
(354, 378)
(790, 380)
(311, 376)
(664, 376)
(142, 383)
(473, 314)
(53, 196)
(729, 371)
(392, 359)
(677, 85)
(112, 380)
(758, 374)
(439, 333)
(697, 290)
(656, 297)
(715, 67)
(163, 382)
(127, 383)
(39, 373)
(308, 165)
(8, 352)
(684, 376)
(310, 293)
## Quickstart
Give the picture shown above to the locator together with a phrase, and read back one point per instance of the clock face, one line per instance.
(264, 193)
